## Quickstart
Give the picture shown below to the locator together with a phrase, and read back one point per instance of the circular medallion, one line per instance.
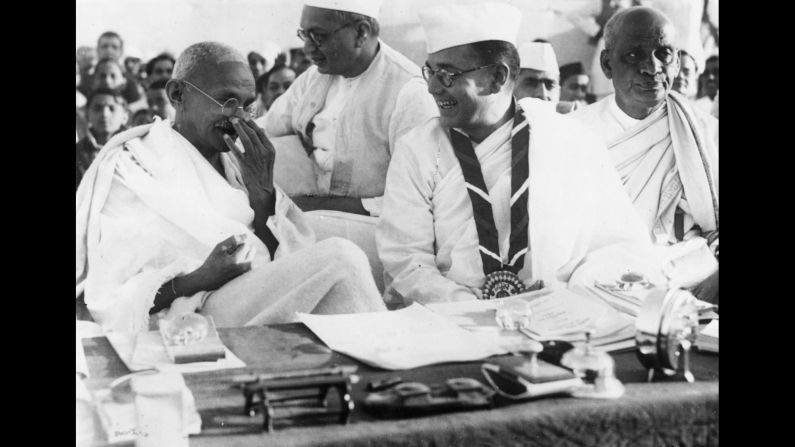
(501, 284)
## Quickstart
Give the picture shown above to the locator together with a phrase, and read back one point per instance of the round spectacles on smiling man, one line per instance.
(446, 77)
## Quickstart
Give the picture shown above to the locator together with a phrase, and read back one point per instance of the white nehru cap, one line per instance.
(453, 25)
(364, 7)
(538, 56)
(695, 49)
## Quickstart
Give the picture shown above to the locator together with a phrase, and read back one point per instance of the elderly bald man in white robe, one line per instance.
(175, 218)
(495, 196)
(664, 149)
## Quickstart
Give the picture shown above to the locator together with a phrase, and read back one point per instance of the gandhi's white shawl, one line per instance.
(151, 208)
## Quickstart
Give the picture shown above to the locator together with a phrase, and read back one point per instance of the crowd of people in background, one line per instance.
(116, 90)
(111, 66)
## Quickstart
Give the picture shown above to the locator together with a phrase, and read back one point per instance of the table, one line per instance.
(665, 413)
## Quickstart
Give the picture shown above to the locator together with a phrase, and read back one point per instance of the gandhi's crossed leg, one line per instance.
(331, 277)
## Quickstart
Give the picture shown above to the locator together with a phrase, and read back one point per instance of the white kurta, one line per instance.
(427, 238)
(151, 208)
(390, 98)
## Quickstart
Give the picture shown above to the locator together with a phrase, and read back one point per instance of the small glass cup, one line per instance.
(185, 329)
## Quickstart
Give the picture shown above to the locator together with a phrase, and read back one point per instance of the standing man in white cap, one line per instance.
(539, 76)
(350, 107)
(664, 149)
(495, 197)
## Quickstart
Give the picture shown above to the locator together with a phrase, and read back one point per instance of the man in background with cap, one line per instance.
(574, 83)
(664, 149)
(686, 81)
(709, 83)
(538, 75)
(492, 198)
(350, 107)
(257, 64)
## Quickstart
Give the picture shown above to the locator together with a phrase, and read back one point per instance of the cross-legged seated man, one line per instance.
(182, 219)
(664, 149)
(496, 196)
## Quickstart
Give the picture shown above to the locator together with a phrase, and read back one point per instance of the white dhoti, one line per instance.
(330, 277)
(356, 228)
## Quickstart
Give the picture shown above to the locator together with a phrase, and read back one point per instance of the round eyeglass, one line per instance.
(230, 107)
(445, 77)
(318, 38)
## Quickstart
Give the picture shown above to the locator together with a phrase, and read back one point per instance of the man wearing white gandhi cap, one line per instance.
(539, 76)
(350, 107)
(496, 196)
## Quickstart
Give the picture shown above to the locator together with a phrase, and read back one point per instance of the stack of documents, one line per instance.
(629, 301)
(556, 315)
(566, 316)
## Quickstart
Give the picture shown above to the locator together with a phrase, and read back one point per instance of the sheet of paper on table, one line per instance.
(146, 350)
(402, 339)
(558, 314)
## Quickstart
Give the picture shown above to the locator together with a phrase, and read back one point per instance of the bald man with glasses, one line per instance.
(664, 149)
(177, 217)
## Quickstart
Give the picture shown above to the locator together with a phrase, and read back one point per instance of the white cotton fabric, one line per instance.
(665, 161)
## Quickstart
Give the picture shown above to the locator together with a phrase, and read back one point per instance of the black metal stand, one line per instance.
(259, 395)
(681, 373)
